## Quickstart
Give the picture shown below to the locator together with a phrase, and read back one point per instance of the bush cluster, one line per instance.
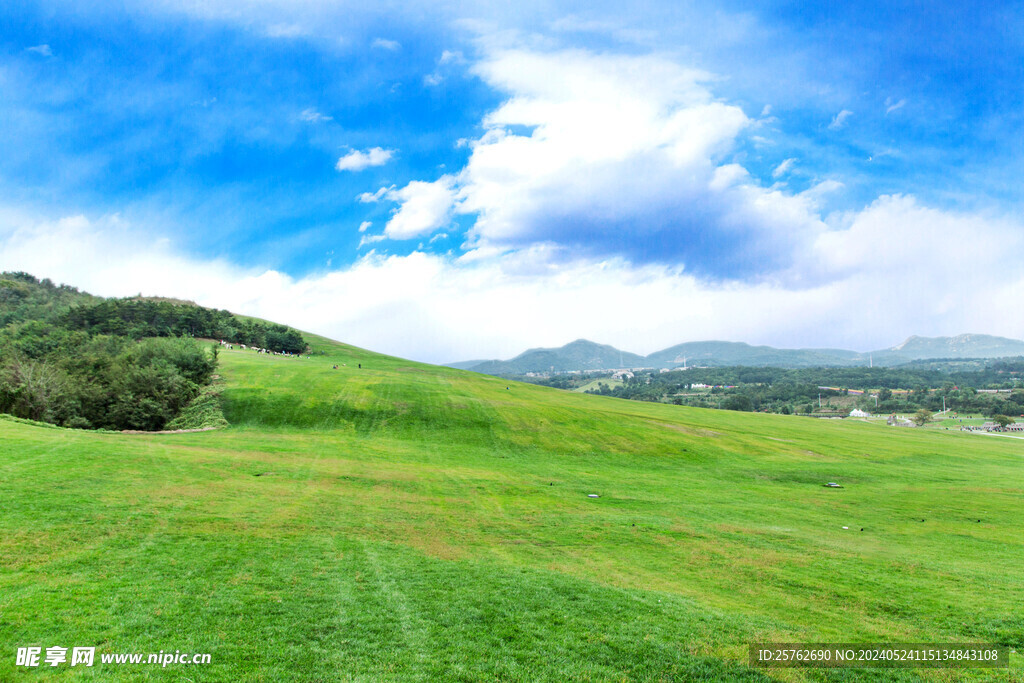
(98, 382)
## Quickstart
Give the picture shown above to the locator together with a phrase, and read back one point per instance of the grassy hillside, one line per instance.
(407, 522)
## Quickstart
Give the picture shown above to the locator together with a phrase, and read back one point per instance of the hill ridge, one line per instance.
(584, 355)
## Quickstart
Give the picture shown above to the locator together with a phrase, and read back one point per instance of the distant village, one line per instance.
(903, 396)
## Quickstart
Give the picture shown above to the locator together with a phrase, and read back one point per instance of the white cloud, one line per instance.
(451, 57)
(891, 106)
(588, 157)
(897, 268)
(914, 248)
(447, 57)
(285, 31)
(386, 44)
(313, 116)
(370, 239)
(373, 197)
(783, 168)
(43, 50)
(839, 120)
(818, 191)
(108, 257)
(606, 135)
(357, 161)
(618, 155)
(424, 207)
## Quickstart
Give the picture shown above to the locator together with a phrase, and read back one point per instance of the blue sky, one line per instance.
(451, 180)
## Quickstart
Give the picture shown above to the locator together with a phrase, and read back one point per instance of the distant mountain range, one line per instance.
(583, 355)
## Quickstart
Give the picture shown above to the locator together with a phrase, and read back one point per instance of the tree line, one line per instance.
(782, 390)
(139, 318)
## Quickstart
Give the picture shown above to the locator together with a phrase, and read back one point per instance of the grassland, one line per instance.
(595, 384)
(408, 522)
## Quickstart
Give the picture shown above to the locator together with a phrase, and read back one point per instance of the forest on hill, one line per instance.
(76, 360)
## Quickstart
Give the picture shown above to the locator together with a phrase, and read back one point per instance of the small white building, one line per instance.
(857, 412)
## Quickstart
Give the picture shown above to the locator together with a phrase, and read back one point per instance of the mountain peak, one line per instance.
(583, 342)
(969, 345)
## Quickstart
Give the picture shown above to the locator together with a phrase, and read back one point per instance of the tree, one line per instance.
(1003, 420)
(738, 402)
(921, 417)
(32, 389)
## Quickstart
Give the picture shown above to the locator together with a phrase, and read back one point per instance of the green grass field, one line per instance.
(412, 522)
(595, 384)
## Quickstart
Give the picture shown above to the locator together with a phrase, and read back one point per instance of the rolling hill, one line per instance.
(738, 353)
(400, 521)
(582, 355)
(961, 346)
(578, 355)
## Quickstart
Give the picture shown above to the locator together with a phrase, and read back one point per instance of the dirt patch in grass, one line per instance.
(170, 431)
(695, 431)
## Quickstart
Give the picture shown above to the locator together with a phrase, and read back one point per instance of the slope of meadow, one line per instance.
(408, 522)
